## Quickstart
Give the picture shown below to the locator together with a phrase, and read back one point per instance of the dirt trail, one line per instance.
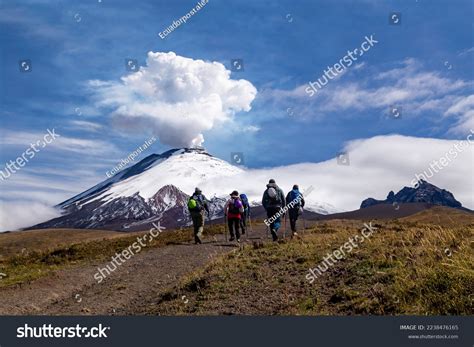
(137, 282)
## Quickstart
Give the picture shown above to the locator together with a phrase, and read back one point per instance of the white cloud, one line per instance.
(28, 197)
(177, 98)
(463, 109)
(24, 213)
(408, 84)
(61, 143)
(31, 24)
(85, 125)
(405, 85)
(250, 129)
(466, 51)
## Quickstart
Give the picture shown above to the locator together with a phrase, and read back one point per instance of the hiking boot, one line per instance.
(294, 234)
(197, 241)
(274, 235)
(238, 240)
(232, 238)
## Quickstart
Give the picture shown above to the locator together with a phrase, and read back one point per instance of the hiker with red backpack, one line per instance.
(273, 201)
(246, 214)
(233, 210)
(295, 204)
(197, 204)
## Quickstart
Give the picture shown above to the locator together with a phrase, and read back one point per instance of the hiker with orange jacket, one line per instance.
(233, 210)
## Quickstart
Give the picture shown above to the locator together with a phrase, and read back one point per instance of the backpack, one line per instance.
(245, 200)
(194, 204)
(273, 196)
(234, 207)
(294, 194)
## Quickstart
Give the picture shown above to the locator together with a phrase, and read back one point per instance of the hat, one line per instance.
(296, 187)
(271, 181)
(234, 193)
(197, 190)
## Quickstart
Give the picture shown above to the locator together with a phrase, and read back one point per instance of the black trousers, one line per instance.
(233, 224)
(294, 214)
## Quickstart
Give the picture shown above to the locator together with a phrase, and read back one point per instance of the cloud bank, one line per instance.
(24, 213)
(177, 98)
(377, 165)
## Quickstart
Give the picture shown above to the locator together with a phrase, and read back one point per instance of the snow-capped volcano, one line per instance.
(184, 168)
(158, 187)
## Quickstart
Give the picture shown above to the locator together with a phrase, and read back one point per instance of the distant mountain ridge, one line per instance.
(424, 193)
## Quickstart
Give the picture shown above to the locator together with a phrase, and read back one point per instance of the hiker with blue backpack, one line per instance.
(273, 201)
(197, 204)
(295, 204)
(245, 214)
(233, 211)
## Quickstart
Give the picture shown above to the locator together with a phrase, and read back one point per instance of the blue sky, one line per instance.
(424, 65)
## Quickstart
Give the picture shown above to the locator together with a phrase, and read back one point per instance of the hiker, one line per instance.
(273, 201)
(233, 210)
(295, 203)
(246, 214)
(197, 204)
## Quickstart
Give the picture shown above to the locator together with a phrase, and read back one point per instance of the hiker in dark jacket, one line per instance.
(233, 209)
(246, 214)
(197, 204)
(273, 201)
(294, 202)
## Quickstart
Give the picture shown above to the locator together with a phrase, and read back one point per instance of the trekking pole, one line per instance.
(225, 228)
(210, 222)
(304, 220)
(247, 224)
